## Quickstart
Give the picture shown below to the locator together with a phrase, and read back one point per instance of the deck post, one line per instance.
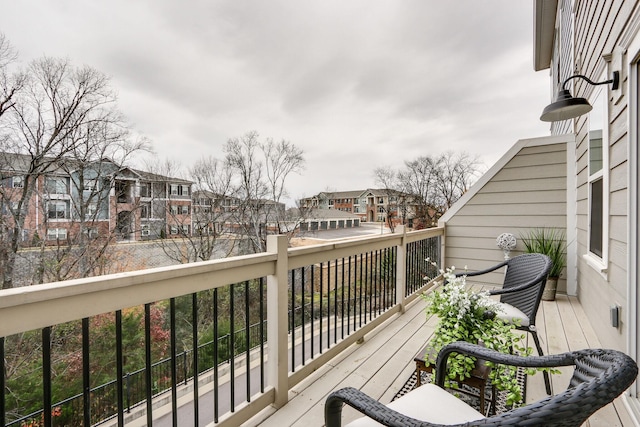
(401, 269)
(277, 297)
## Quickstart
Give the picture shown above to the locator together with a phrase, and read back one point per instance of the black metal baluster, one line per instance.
(302, 301)
(313, 317)
(379, 278)
(148, 362)
(174, 356)
(2, 384)
(360, 288)
(328, 304)
(247, 338)
(384, 285)
(119, 369)
(349, 300)
(411, 255)
(293, 321)
(394, 275)
(342, 300)
(232, 347)
(321, 303)
(46, 375)
(196, 367)
(370, 281)
(86, 386)
(335, 302)
(262, 337)
(216, 364)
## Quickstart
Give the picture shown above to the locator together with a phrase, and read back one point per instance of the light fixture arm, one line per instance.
(615, 80)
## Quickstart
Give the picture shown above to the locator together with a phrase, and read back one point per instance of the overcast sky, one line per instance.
(355, 84)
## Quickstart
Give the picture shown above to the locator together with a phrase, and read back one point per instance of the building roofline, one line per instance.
(544, 26)
(498, 166)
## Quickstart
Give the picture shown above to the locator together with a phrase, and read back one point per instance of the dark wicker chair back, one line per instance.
(523, 286)
(599, 377)
(528, 273)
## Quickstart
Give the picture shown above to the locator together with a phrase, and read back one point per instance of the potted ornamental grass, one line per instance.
(550, 242)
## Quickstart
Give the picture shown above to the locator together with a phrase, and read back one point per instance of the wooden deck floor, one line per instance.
(382, 364)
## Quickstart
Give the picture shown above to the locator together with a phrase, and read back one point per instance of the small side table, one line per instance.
(477, 380)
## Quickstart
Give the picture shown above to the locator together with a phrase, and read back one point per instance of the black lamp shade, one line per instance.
(566, 107)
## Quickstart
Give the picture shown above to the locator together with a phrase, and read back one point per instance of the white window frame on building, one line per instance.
(56, 184)
(598, 183)
(56, 233)
(145, 230)
(58, 214)
(91, 211)
(17, 181)
(145, 210)
(145, 189)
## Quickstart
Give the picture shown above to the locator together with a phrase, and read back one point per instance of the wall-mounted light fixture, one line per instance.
(567, 107)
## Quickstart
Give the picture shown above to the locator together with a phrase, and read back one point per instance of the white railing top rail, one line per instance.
(33, 307)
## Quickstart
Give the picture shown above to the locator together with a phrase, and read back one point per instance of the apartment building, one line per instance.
(98, 198)
(370, 205)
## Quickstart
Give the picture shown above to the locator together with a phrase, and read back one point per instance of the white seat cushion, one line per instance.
(509, 312)
(428, 403)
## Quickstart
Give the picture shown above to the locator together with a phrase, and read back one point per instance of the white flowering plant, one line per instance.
(470, 316)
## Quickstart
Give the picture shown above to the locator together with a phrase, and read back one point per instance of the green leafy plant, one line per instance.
(550, 242)
(471, 316)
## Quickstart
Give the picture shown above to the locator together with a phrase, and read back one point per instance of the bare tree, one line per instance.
(60, 113)
(282, 159)
(387, 179)
(456, 173)
(260, 171)
(437, 182)
(10, 83)
(203, 235)
(419, 179)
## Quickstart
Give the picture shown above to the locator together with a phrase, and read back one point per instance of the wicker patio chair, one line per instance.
(599, 376)
(521, 293)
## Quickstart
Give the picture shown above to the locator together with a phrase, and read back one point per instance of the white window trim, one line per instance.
(600, 264)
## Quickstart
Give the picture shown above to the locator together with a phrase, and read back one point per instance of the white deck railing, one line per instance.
(41, 306)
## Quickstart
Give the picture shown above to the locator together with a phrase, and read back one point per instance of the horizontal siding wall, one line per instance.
(598, 29)
(529, 191)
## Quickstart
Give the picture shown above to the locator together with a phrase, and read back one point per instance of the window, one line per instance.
(56, 185)
(598, 182)
(145, 189)
(145, 210)
(184, 209)
(146, 230)
(174, 209)
(173, 229)
(179, 190)
(91, 210)
(185, 229)
(56, 234)
(17, 182)
(58, 210)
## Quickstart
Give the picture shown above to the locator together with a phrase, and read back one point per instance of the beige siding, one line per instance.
(598, 27)
(528, 191)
